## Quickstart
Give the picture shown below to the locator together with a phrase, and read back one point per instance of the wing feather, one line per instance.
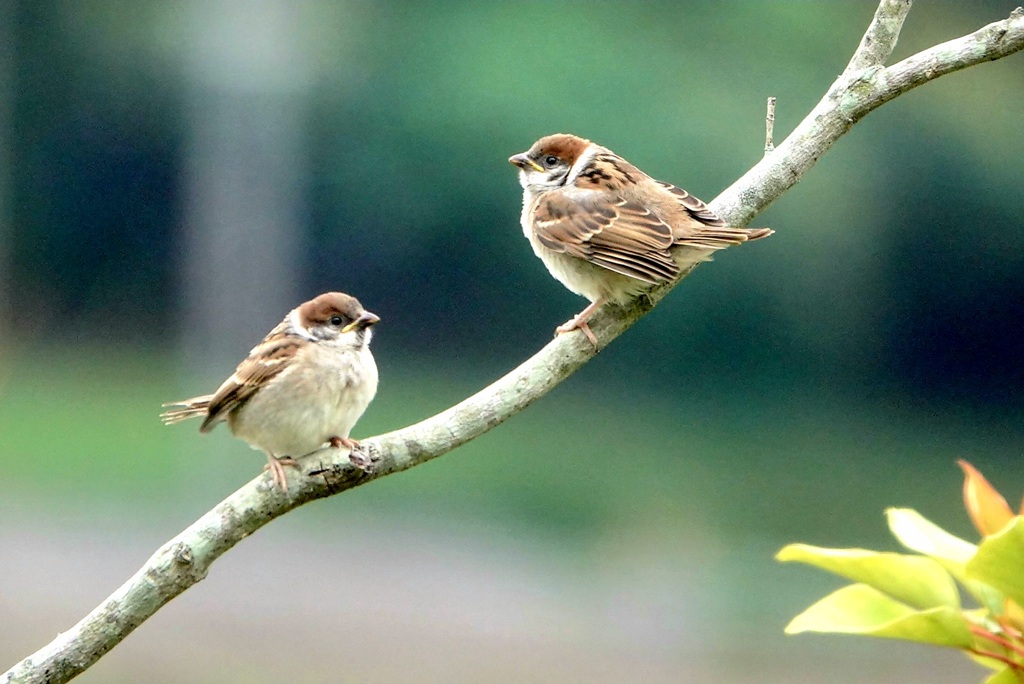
(621, 236)
(265, 361)
(618, 233)
(694, 206)
(708, 231)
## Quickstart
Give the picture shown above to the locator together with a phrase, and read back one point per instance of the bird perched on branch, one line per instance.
(305, 385)
(608, 231)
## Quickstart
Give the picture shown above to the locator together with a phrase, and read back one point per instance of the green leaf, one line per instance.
(1004, 676)
(920, 534)
(860, 609)
(987, 662)
(916, 580)
(1000, 561)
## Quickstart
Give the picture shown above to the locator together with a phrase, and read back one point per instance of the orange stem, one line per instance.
(1013, 665)
(995, 638)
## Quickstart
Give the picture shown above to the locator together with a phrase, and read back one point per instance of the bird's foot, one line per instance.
(276, 467)
(347, 442)
(356, 456)
(577, 324)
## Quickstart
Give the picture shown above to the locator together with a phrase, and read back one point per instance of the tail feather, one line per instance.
(183, 410)
(722, 237)
(758, 233)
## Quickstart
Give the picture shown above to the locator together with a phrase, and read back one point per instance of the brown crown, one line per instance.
(566, 147)
(322, 308)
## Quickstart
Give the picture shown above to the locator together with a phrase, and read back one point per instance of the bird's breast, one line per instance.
(320, 397)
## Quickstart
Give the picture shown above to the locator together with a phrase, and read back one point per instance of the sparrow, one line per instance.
(305, 385)
(608, 231)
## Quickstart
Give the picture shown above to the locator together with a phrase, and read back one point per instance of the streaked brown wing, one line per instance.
(265, 361)
(621, 236)
(694, 207)
(705, 230)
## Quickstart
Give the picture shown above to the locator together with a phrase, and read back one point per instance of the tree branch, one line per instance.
(864, 85)
(880, 39)
(858, 91)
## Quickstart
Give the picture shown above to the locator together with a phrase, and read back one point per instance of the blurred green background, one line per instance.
(175, 176)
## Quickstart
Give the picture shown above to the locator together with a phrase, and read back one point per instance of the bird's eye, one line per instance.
(551, 161)
(336, 321)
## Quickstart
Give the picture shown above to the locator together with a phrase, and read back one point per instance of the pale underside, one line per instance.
(321, 399)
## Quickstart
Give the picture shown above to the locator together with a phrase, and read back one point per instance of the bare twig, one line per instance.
(185, 560)
(769, 127)
(864, 86)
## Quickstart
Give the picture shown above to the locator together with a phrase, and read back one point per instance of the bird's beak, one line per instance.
(522, 161)
(365, 320)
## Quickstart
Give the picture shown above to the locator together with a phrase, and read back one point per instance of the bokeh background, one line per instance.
(175, 176)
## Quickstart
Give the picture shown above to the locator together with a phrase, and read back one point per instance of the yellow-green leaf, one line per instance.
(1000, 561)
(919, 534)
(1004, 676)
(860, 609)
(916, 580)
(988, 662)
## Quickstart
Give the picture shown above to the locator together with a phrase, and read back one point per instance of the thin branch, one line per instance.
(769, 127)
(987, 44)
(854, 94)
(186, 559)
(880, 39)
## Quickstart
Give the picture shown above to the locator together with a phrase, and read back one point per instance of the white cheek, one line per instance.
(296, 323)
(349, 340)
(582, 163)
(541, 180)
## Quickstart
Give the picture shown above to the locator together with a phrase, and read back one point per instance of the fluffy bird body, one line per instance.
(305, 385)
(608, 231)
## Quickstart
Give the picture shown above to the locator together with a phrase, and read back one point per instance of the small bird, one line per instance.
(608, 231)
(305, 385)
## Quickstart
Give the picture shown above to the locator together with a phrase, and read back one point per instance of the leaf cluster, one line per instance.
(919, 596)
